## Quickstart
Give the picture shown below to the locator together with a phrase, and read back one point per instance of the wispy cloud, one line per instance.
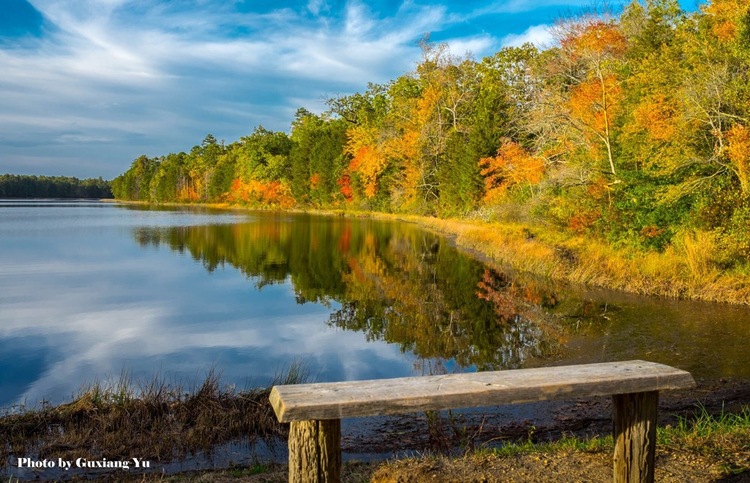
(538, 35)
(153, 77)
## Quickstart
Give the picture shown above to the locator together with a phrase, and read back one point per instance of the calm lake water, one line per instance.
(89, 291)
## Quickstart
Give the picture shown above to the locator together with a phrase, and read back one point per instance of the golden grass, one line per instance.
(686, 270)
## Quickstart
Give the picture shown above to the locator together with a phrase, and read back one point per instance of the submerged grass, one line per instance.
(155, 420)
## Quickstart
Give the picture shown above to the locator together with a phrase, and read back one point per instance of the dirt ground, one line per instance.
(528, 468)
(683, 466)
(548, 468)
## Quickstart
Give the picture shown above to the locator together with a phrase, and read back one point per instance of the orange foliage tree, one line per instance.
(272, 194)
(512, 166)
(595, 100)
(367, 158)
(345, 187)
(591, 50)
(726, 17)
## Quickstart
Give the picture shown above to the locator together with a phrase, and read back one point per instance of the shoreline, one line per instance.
(541, 251)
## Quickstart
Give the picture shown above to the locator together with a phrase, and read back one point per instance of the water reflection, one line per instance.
(392, 282)
(398, 284)
(707, 339)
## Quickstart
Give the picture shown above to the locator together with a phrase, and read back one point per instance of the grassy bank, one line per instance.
(688, 271)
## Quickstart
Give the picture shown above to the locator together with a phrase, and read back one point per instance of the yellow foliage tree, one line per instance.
(725, 16)
(367, 159)
(738, 151)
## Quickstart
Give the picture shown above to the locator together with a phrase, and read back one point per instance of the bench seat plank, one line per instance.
(302, 402)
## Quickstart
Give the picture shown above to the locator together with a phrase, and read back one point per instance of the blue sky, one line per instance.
(86, 86)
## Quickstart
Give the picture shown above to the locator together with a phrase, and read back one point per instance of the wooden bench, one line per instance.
(315, 410)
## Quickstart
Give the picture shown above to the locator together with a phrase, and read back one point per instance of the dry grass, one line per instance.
(686, 270)
(156, 421)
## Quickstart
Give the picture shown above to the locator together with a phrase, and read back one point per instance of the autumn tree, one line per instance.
(512, 166)
(317, 157)
(504, 92)
(135, 183)
(592, 48)
(169, 178)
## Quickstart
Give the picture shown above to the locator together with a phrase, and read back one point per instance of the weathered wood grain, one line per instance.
(412, 394)
(315, 451)
(634, 427)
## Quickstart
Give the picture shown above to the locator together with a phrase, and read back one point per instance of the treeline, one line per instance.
(21, 186)
(634, 129)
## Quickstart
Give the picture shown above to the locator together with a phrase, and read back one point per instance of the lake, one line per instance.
(90, 291)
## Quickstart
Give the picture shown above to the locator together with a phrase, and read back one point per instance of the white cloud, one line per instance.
(165, 73)
(314, 6)
(476, 46)
(538, 35)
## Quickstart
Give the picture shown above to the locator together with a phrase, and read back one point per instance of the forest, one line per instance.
(632, 129)
(21, 186)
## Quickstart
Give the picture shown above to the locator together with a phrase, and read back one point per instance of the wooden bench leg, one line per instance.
(315, 451)
(634, 417)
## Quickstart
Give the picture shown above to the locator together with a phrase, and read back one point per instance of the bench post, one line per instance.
(315, 451)
(634, 418)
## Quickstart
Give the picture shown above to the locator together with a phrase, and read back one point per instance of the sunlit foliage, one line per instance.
(633, 129)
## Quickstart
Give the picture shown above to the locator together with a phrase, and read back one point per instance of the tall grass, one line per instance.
(698, 249)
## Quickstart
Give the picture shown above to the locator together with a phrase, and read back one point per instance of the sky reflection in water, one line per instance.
(82, 301)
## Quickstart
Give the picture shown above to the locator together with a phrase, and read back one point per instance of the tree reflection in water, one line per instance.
(390, 281)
